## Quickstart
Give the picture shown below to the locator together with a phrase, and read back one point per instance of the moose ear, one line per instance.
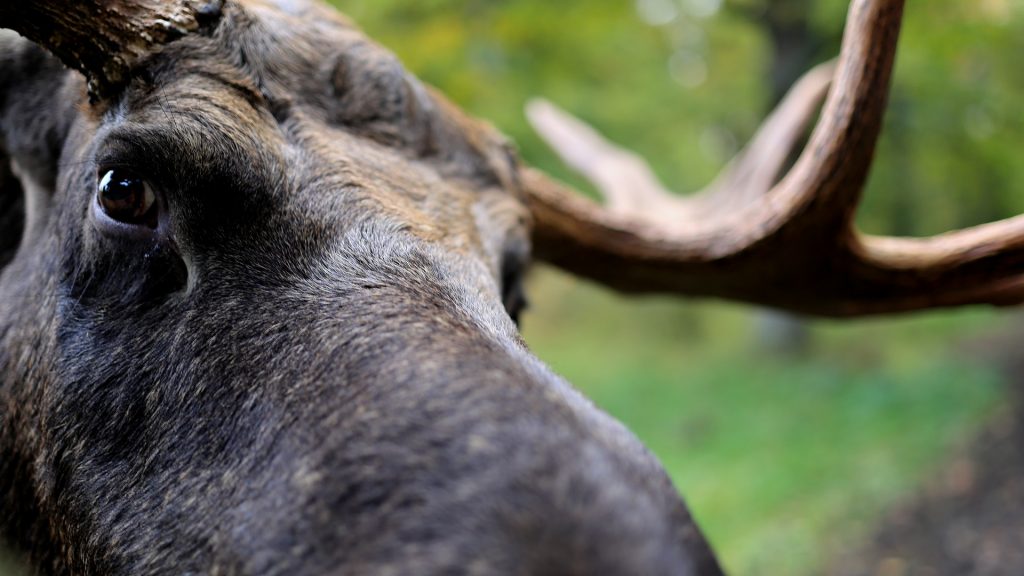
(12, 212)
(38, 102)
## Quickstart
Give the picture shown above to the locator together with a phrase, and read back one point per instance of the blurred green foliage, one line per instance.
(783, 460)
(952, 132)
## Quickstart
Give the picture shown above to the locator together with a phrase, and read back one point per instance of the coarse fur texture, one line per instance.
(310, 366)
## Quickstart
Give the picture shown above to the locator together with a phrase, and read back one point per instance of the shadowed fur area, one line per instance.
(310, 365)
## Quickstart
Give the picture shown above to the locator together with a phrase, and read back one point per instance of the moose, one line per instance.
(259, 289)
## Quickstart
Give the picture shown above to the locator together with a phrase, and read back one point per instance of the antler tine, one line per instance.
(106, 39)
(832, 170)
(756, 168)
(981, 264)
(630, 187)
(625, 180)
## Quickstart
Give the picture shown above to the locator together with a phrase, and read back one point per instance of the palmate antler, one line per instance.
(791, 245)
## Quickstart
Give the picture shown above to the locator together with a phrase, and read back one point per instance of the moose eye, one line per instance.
(126, 198)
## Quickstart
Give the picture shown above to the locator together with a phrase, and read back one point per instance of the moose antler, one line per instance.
(105, 39)
(790, 245)
(630, 187)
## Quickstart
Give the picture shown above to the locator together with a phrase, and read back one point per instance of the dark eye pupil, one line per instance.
(123, 189)
(126, 198)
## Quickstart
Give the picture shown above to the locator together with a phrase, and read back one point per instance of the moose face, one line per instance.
(260, 321)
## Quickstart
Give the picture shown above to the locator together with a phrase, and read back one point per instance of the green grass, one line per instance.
(783, 461)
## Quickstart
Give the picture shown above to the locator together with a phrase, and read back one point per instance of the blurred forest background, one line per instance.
(790, 439)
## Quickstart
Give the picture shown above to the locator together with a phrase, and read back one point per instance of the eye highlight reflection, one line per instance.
(126, 198)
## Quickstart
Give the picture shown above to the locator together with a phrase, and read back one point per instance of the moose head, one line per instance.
(259, 288)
